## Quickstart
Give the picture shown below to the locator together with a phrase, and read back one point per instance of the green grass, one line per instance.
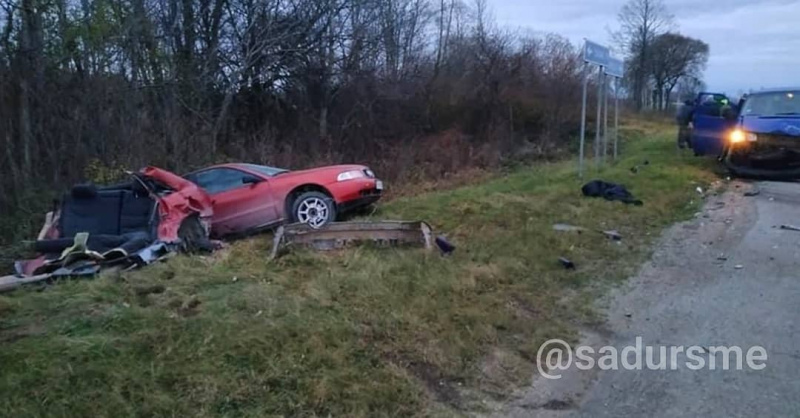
(361, 332)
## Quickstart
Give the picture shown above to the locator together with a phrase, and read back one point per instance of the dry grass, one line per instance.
(362, 332)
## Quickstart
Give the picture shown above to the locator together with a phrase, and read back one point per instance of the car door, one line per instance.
(242, 201)
(710, 126)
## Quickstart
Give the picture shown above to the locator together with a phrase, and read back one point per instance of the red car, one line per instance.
(249, 197)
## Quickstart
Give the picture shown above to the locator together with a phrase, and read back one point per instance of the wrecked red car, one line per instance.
(249, 197)
(132, 223)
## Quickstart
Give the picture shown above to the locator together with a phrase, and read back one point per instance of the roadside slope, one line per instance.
(362, 332)
(726, 278)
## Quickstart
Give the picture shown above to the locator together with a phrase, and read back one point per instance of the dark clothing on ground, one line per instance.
(609, 191)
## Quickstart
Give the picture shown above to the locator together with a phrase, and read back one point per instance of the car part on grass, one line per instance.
(569, 228)
(342, 234)
(613, 235)
(444, 245)
(752, 193)
(566, 263)
(122, 226)
(635, 169)
(8, 283)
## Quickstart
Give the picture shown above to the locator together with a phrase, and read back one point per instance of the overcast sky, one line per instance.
(754, 43)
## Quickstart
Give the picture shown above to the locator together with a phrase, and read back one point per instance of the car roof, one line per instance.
(776, 90)
(225, 165)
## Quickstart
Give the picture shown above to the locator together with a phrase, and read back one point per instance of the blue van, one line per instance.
(759, 137)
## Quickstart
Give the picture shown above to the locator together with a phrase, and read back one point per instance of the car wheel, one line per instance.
(314, 208)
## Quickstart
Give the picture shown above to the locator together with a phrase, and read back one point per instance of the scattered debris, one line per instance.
(614, 235)
(718, 206)
(444, 246)
(751, 193)
(609, 191)
(568, 264)
(569, 228)
(739, 267)
(790, 228)
(699, 190)
(635, 169)
(342, 234)
(558, 405)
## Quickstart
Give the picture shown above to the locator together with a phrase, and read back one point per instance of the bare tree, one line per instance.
(412, 87)
(675, 56)
(640, 21)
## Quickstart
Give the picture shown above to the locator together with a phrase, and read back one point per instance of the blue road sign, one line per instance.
(615, 67)
(595, 53)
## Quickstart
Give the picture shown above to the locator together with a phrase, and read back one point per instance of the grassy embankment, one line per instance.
(362, 332)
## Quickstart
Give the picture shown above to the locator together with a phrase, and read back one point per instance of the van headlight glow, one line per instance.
(737, 136)
(350, 175)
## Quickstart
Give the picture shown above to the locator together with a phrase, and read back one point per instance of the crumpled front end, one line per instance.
(185, 200)
(765, 149)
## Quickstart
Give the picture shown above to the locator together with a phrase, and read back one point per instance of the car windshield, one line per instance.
(266, 170)
(786, 103)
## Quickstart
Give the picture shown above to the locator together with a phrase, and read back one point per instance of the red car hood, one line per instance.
(326, 174)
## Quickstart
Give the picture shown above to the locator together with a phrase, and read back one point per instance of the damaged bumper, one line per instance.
(770, 157)
(342, 234)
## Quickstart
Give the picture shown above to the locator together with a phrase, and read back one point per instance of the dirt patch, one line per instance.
(16, 334)
(190, 308)
(559, 405)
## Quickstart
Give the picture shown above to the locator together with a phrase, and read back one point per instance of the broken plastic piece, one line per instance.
(568, 228)
(444, 246)
(568, 264)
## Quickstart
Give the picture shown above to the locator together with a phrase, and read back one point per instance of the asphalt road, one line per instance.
(730, 277)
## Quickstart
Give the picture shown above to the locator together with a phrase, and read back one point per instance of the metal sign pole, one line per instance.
(605, 117)
(583, 119)
(600, 81)
(616, 115)
(593, 54)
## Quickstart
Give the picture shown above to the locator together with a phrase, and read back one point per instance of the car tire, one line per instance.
(314, 209)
